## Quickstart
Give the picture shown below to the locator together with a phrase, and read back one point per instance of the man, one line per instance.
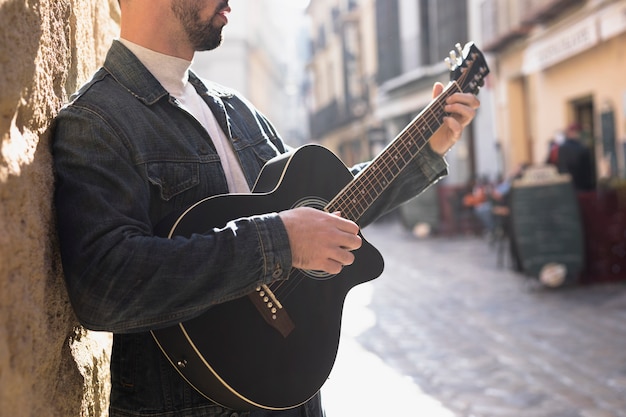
(575, 158)
(146, 137)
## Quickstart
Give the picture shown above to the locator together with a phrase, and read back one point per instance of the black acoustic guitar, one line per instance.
(275, 348)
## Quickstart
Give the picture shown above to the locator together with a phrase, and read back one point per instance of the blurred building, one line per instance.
(558, 62)
(342, 74)
(414, 37)
(372, 69)
(371, 65)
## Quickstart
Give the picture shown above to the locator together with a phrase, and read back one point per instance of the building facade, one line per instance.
(553, 63)
(341, 75)
(372, 70)
(558, 62)
(414, 38)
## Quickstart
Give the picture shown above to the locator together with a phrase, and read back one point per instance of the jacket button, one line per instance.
(278, 271)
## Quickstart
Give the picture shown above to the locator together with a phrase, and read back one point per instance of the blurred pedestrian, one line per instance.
(553, 153)
(479, 200)
(576, 159)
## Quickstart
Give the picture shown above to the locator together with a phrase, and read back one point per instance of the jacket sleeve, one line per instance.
(120, 276)
(425, 170)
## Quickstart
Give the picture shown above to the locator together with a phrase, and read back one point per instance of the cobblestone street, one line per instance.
(446, 332)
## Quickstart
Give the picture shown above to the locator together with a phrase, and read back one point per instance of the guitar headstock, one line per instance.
(468, 67)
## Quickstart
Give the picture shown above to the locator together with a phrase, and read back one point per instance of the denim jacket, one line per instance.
(126, 154)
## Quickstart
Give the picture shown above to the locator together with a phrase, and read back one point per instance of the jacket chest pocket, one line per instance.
(253, 154)
(173, 178)
(177, 185)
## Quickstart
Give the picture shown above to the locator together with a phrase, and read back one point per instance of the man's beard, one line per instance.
(204, 36)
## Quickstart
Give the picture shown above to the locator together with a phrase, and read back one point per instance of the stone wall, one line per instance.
(49, 366)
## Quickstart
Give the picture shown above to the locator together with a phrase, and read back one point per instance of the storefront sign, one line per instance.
(560, 46)
(546, 226)
(613, 21)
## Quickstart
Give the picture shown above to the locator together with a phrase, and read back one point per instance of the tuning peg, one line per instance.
(459, 48)
(449, 63)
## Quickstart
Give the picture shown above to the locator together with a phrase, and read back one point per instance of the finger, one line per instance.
(437, 89)
(345, 225)
(454, 126)
(467, 99)
(351, 242)
(333, 267)
(343, 258)
(462, 112)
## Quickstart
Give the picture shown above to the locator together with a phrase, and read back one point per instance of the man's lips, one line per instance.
(223, 13)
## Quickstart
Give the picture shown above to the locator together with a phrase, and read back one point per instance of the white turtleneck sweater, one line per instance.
(173, 74)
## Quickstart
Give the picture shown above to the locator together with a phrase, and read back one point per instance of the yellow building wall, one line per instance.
(518, 121)
(533, 108)
(513, 110)
(596, 74)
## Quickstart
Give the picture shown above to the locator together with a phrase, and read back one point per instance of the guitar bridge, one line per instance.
(272, 310)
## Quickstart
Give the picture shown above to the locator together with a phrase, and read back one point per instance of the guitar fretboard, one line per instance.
(366, 187)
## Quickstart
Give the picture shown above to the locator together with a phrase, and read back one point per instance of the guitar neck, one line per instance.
(366, 187)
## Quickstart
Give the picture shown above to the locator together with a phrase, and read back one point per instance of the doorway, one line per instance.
(583, 114)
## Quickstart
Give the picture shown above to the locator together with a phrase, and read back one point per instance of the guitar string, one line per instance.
(419, 135)
(378, 184)
(412, 137)
(283, 288)
(416, 133)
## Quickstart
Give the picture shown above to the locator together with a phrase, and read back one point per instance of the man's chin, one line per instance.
(209, 47)
(209, 42)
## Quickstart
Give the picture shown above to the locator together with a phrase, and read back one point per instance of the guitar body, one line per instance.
(231, 353)
(275, 348)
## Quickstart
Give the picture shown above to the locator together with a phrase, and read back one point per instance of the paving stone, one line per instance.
(477, 340)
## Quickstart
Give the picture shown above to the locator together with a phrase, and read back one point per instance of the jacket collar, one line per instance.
(128, 70)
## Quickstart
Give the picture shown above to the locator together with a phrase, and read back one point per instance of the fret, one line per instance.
(361, 193)
(367, 187)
